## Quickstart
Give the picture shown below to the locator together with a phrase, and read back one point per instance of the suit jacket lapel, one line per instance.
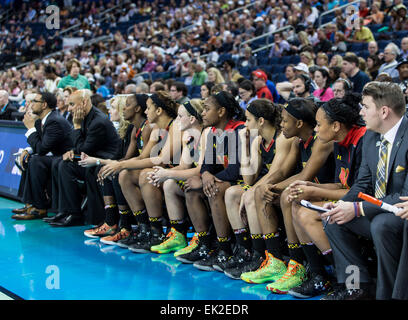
(397, 143)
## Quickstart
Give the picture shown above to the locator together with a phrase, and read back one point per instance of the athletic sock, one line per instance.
(111, 214)
(224, 244)
(296, 252)
(243, 238)
(156, 223)
(204, 238)
(258, 243)
(141, 216)
(328, 257)
(272, 242)
(124, 219)
(314, 258)
(179, 225)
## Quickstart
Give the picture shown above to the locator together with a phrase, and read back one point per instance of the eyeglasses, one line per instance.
(37, 101)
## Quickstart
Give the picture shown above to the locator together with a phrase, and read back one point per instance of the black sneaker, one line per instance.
(338, 292)
(222, 260)
(314, 286)
(206, 264)
(198, 253)
(149, 239)
(134, 238)
(238, 256)
(248, 264)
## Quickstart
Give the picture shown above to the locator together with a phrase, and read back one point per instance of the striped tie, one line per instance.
(381, 182)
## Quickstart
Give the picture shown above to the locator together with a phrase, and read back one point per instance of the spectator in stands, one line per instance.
(304, 42)
(206, 90)
(376, 16)
(6, 107)
(300, 87)
(391, 52)
(322, 79)
(363, 10)
(322, 60)
(324, 45)
(281, 47)
(341, 87)
(383, 77)
(142, 88)
(402, 74)
(404, 48)
(352, 71)
(362, 34)
(290, 72)
(247, 60)
(63, 105)
(151, 64)
(230, 73)
(74, 79)
(247, 93)
(399, 17)
(215, 76)
(259, 26)
(259, 79)
(178, 92)
(188, 79)
(336, 61)
(101, 88)
(156, 86)
(301, 68)
(306, 58)
(200, 75)
(52, 79)
(373, 64)
(339, 43)
(373, 48)
(181, 68)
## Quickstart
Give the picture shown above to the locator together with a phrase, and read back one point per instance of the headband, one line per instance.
(190, 109)
(293, 111)
(299, 114)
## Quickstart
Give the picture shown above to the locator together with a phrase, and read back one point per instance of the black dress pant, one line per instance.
(70, 177)
(400, 291)
(37, 189)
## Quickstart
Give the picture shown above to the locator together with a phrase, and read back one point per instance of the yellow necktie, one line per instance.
(381, 182)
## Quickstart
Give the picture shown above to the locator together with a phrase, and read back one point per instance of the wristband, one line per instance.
(356, 209)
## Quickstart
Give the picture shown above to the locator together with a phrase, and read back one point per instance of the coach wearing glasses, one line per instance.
(49, 137)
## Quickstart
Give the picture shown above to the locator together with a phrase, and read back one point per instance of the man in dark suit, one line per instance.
(382, 174)
(49, 138)
(6, 107)
(95, 135)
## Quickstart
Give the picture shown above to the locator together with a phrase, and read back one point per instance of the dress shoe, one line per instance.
(31, 214)
(68, 221)
(22, 210)
(55, 218)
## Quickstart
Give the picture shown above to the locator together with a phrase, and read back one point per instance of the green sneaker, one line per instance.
(191, 246)
(294, 276)
(271, 269)
(174, 241)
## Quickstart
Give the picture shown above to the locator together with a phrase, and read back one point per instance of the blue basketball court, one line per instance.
(40, 262)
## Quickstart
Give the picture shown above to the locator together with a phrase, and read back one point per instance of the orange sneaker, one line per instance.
(101, 231)
(112, 240)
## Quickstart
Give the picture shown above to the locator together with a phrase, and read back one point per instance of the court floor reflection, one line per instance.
(41, 262)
